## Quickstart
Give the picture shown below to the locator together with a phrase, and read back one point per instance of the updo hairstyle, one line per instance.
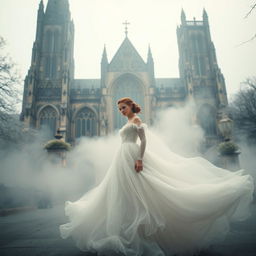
(135, 107)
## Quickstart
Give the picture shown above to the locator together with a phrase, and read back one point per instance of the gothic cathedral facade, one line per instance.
(53, 98)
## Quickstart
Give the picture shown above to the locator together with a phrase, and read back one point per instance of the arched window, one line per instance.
(85, 123)
(207, 119)
(49, 41)
(48, 120)
(51, 45)
(198, 50)
(127, 86)
(56, 40)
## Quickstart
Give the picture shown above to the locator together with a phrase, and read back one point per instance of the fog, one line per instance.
(178, 129)
(32, 169)
(98, 23)
(247, 156)
(30, 173)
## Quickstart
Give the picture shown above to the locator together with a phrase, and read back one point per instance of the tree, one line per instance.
(12, 131)
(10, 95)
(243, 110)
(9, 79)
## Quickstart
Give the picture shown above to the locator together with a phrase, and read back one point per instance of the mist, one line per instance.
(247, 156)
(176, 127)
(32, 169)
(35, 174)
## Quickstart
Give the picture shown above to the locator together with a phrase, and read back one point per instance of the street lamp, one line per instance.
(228, 150)
(225, 126)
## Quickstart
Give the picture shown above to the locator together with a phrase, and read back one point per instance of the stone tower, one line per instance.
(46, 91)
(199, 71)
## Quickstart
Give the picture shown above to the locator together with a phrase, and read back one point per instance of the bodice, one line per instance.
(129, 132)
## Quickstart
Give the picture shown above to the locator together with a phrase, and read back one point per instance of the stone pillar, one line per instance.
(230, 161)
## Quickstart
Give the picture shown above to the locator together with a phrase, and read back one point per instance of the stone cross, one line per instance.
(126, 27)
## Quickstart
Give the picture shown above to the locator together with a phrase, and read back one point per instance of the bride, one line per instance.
(150, 205)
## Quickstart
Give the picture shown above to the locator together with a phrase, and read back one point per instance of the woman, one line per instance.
(148, 205)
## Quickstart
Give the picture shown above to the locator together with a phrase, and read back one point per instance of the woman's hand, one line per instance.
(138, 165)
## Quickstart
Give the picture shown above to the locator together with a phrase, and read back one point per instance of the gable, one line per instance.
(127, 59)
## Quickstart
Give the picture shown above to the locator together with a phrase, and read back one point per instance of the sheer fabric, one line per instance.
(175, 205)
(142, 136)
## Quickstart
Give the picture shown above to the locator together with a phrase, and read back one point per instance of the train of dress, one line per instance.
(175, 205)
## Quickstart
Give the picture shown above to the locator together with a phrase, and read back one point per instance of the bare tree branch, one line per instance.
(9, 82)
(10, 95)
(243, 110)
(251, 39)
(252, 8)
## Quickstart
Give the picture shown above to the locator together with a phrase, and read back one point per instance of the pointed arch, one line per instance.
(85, 122)
(48, 118)
(52, 46)
(127, 85)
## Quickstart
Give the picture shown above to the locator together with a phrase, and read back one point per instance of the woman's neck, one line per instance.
(131, 118)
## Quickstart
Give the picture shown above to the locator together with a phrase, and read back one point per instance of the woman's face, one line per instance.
(124, 109)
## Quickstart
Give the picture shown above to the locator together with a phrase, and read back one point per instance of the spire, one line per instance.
(40, 17)
(104, 58)
(57, 11)
(40, 11)
(150, 58)
(104, 66)
(183, 17)
(150, 66)
(205, 17)
(41, 6)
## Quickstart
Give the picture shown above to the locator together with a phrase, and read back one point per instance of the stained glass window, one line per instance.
(85, 123)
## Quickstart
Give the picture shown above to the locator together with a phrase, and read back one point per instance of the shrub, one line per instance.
(227, 147)
(57, 144)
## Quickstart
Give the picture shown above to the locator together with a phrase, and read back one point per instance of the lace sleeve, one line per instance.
(142, 136)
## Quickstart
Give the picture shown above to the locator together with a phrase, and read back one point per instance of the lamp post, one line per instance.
(225, 126)
(58, 147)
(228, 150)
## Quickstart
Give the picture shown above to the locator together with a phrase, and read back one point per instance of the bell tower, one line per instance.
(46, 90)
(198, 65)
(200, 73)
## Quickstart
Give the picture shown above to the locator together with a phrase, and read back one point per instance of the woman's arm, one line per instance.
(142, 136)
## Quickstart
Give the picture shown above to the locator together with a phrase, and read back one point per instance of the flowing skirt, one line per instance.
(179, 206)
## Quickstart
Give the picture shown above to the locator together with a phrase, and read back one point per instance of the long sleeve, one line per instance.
(142, 136)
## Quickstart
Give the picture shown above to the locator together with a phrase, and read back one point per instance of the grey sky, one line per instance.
(154, 22)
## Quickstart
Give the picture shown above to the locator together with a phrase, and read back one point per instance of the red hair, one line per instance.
(135, 107)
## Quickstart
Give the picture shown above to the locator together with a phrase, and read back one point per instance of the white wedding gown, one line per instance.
(175, 205)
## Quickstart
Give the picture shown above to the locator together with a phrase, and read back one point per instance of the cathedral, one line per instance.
(54, 99)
